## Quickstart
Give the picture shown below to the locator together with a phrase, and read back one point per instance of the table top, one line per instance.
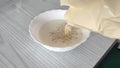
(18, 50)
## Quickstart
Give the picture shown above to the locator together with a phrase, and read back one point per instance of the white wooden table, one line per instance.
(18, 50)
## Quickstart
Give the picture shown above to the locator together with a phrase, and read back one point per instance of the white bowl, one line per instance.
(41, 19)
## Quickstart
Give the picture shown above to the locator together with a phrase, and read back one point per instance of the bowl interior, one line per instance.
(41, 19)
